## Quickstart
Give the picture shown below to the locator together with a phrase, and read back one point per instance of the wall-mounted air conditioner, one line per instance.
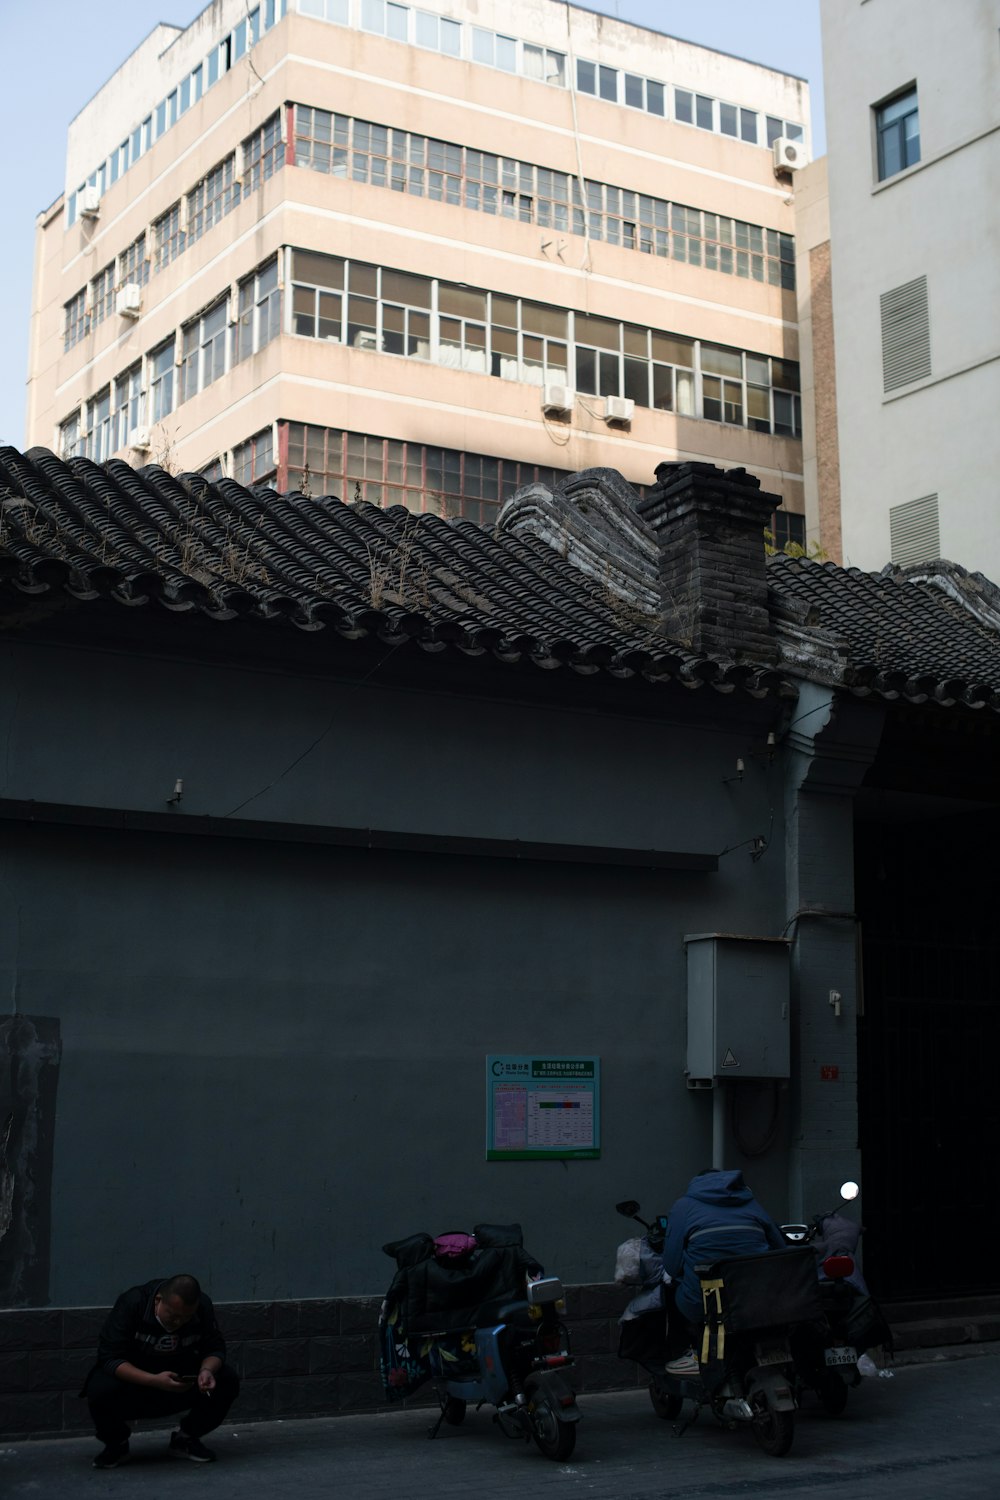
(789, 155)
(618, 408)
(138, 439)
(366, 338)
(88, 202)
(128, 303)
(557, 400)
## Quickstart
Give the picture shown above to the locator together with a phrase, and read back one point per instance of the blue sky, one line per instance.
(74, 48)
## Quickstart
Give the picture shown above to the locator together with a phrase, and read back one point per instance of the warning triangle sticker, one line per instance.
(729, 1060)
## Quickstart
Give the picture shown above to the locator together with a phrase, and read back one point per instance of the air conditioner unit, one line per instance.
(366, 338)
(618, 408)
(558, 399)
(789, 155)
(88, 202)
(138, 439)
(128, 303)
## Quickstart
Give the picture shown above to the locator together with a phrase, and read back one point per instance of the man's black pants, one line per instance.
(114, 1403)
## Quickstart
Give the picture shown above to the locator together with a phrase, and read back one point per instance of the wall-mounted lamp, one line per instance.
(740, 768)
(178, 793)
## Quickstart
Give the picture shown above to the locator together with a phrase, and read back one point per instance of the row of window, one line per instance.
(459, 327)
(211, 344)
(259, 156)
(407, 23)
(383, 471)
(320, 461)
(428, 168)
(223, 56)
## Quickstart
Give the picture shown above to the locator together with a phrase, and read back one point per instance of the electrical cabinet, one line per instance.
(737, 1008)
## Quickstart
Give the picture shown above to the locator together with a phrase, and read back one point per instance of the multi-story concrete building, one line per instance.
(913, 130)
(425, 254)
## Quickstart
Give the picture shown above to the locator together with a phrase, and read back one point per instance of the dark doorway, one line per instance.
(929, 1046)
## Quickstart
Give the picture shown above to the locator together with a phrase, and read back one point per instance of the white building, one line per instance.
(913, 129)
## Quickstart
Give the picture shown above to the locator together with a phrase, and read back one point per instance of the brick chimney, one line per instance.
(710, 524)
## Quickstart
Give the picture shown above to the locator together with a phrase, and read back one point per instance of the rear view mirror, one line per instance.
(546, 1289)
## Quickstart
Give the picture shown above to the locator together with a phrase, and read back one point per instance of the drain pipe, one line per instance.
(718, 1125)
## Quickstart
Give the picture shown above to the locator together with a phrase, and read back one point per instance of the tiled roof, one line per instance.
(927, 632)
(148, 537)
(145, 537)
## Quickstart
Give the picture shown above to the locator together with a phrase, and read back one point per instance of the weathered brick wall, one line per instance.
(295, 1359)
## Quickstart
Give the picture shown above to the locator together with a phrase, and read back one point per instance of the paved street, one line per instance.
(933, 1430)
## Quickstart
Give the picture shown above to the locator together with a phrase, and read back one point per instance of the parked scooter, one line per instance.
(853, 1338)
(751, 1303)
(485, 1325)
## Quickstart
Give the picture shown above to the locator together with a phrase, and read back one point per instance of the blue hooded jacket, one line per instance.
(718, 1216)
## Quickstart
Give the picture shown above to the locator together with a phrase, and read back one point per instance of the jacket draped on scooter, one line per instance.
(717, 1217)
(428, 1295)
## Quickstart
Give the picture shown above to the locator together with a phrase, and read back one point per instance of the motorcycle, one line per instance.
(500, 1341)
(746, 1373)
(833, 1355)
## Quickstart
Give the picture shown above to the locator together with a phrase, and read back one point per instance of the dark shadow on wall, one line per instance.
(30, 1052)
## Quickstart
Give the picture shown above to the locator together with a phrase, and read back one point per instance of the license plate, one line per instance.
(776, 1356)
(843, 1354)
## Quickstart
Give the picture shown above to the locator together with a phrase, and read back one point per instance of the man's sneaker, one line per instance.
(182, 1445)
(111, 1456)
(686, 1364)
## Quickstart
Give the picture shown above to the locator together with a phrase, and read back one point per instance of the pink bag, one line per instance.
(453, 1246)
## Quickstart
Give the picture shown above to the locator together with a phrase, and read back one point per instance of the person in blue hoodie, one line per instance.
(717, 1216)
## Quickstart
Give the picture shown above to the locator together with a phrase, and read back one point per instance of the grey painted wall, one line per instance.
(273, 1055)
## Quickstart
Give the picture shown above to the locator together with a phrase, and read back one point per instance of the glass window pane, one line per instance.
(609, 83)
(320, 270)
(600, 331)
(536, 317)
(461, 302)
(748, 126)
(671, 350)
(728, 123)
(684, 106)
(721, 361)
(400, 287)
(633, 91)
(703, 112)
(586, 76)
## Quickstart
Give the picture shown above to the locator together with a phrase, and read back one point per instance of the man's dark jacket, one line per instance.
(132, 1333)
(717, 1217)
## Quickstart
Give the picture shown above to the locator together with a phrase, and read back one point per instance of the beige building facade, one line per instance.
(423, 255)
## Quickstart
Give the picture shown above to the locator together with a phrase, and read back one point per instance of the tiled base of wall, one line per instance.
(295, 1359)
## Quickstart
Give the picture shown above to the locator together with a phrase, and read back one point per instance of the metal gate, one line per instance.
(929, 1053)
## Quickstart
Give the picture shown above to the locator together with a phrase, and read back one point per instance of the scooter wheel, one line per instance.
(774, 1431)
(667, 1407)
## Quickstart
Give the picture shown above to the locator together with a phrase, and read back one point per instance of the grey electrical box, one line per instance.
(737, 1007)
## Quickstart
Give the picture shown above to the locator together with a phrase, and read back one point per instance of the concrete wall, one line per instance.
(273, 1055)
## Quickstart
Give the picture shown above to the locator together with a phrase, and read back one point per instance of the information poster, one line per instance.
(542, 1108)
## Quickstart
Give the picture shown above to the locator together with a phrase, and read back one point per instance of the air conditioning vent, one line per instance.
(138, 439)
(906, 335)
(129, 300)
(557, 400)
(914, 535)
(88, 202)
(789, 155)
(618, 408)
